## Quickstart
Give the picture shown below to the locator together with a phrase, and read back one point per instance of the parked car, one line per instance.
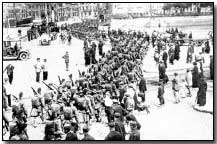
(12, 50)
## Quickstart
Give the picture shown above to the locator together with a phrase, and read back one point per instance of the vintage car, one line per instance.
(45, 39)
(12, 50)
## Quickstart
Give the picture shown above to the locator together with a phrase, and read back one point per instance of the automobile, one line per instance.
(12, 50)
(45, 39)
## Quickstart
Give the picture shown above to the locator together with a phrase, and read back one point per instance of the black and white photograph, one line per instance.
(90, 71)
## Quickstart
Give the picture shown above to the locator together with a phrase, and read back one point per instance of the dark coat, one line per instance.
(195, 77)
(88, 137)
(142, 85)
(160, 91)
(119, 127)
(134, 135)
(201, 94)
(114, 135)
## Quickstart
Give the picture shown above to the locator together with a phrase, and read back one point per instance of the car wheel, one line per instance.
(23, 56)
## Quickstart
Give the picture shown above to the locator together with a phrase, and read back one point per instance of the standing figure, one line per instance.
(175, 87)
(66, 57)
(100, 47)
(171, 53)
(188, 80)
(134, 134)
(190, 52)
(10, 72)
(142, 88)
(38, 70)
(165, 57)
(45, 70)
(195, 76)
(201, 94)
(161, 92)
(211, 67)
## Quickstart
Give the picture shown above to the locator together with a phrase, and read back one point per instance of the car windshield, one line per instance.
(12, 44)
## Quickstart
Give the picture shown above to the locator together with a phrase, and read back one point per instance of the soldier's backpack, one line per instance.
(35, 102)
(82, 103)
(130, 104)
(50, 127)
(67, 112)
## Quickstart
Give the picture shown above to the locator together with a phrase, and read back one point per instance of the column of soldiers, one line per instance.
(108, 86)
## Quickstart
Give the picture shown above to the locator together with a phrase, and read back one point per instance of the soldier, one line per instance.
(134, 134)
(66, 57)
(86, 135)
(10, 71)
(201, 94)
(119, 126)
(195, 76)
(116, 108)
(70, 132)
(37, 105)
(175, 87)
(142, 87)
(113, 135)
(37, 67)
(161, 92)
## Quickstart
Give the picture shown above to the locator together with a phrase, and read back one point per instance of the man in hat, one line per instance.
(201, 94)
(113, 135)
(134, 134)
(175, 87)
(86, 134)
(161, 92)
(37, 67)
(119, 125)
(66, 57)
(195, 76)
(10, 71)
(116, 108)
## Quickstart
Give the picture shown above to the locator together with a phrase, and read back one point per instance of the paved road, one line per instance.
(173, 121)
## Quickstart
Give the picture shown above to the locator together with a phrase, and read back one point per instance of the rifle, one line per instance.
(49, 87)
(34, 91)
(15, 97)
(59, 79)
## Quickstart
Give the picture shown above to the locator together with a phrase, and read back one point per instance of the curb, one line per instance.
(202, 110)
